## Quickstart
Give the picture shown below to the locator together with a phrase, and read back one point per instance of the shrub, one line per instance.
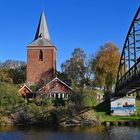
(84, 98)
(9, 97)
(90, 98)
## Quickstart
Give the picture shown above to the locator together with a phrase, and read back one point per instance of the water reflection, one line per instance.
(121, 133)
(96, 133)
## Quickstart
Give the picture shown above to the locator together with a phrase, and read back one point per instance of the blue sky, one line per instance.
(87, 24)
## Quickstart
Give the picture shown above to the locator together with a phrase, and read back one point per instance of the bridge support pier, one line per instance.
(123, 106)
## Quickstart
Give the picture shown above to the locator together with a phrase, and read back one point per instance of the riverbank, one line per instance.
(85, 118)
(62, 117)
(102, 111)
(57, 117)
(80, 109)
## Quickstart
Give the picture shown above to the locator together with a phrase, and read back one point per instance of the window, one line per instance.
(41, 55)
(40, 35)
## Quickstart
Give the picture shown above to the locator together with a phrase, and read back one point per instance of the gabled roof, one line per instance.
(25, 86)
(56, 78)
(42, 37)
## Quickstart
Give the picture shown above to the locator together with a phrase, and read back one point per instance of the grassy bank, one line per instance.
(10, 101)
(102, 111)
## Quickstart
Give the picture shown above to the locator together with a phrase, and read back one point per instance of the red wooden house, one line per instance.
(57, 89)
(26, 92)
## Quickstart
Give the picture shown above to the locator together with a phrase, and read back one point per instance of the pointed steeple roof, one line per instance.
(42, 30)
(42, 37)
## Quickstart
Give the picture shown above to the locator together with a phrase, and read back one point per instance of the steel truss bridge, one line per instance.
(128, 79)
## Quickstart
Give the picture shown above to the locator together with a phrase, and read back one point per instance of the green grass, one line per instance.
(102, 111)
(138, 107)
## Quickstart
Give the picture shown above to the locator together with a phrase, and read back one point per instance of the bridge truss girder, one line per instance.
(129, 66)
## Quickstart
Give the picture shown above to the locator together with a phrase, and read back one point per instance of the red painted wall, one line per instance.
(61, 87)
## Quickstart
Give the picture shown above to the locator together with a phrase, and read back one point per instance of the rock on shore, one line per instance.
(88, 118)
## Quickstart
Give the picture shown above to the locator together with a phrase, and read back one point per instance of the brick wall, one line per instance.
(40, 69)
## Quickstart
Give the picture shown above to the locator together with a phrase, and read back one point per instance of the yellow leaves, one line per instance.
(105, 63)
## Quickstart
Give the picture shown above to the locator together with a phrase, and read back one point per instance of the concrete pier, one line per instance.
(123, 106)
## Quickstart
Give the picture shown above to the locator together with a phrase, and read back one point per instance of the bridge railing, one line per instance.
(133, 72)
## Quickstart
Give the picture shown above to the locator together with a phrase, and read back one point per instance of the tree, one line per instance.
(88, 80)
(9, 97)
(75, 66)
(18, 74)
(5, 76)
(64, 77)
(12, 71)
(105, 66)
(12, 64)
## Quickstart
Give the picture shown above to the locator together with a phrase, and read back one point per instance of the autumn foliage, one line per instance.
(105, 66)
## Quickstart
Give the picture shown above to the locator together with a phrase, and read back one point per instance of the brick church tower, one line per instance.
(41, 55)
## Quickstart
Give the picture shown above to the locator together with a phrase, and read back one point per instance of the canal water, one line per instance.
(88, 133)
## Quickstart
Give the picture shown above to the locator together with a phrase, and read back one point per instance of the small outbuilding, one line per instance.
(26, 92)
(123, 106)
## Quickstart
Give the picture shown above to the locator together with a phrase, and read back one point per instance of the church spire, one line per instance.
(42, 30)
(42, 37)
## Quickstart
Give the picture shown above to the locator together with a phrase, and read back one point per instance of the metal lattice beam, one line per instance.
(129, 66)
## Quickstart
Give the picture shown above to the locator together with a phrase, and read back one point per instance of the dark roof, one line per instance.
(42, 37)
(41, 42)
(55, 79)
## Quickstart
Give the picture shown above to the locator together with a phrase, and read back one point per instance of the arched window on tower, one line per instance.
(41, 55)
